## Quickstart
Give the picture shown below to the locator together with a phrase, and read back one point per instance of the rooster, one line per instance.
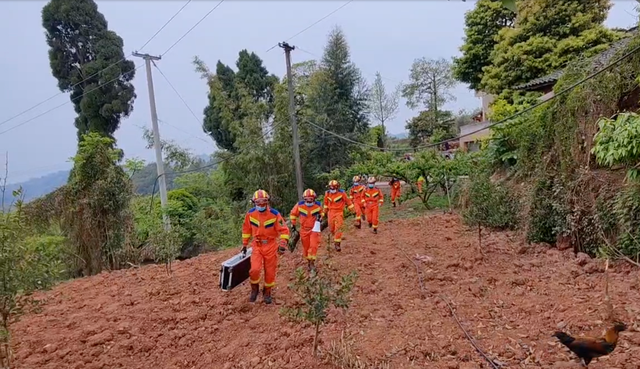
(587, 348)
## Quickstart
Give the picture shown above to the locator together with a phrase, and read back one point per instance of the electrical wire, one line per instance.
(183, 131)
(313, 24)
(166, 24)
(194, 26)
(96, 73)
(182, 99)
(67, 102)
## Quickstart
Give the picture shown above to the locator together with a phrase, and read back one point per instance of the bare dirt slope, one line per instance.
(511, 301)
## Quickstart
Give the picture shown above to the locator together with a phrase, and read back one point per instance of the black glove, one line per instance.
(244, 250)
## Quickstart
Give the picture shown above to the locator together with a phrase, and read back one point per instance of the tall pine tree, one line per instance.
(338, 102)
(88, 61)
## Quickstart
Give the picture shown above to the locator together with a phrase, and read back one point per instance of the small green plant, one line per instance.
(166, 244)
(318, 291)
(618, 143)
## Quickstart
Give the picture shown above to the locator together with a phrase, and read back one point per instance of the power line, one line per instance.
(68, 102)
(183, 131)
(313, 24)
(166, 24)
(194, 26)
(96, 73)
(178, 94)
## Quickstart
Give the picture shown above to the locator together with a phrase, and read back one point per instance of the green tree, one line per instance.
(482, 25)
(548, 34)
(423, 126)
(88, 61)
(224, 111)
(338, 100)
(431, 81)
(430, 84)
(383, 105)
(97, 195)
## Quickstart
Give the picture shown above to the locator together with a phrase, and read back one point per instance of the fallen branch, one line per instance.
(616, 251)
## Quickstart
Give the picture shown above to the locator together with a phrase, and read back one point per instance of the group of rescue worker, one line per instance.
(269, 235)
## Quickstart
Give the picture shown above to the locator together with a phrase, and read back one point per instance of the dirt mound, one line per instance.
(511, 301)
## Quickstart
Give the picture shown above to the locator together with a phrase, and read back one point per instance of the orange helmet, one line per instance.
(260, 196)
(333, 184)
(356, 179)
(309, 193)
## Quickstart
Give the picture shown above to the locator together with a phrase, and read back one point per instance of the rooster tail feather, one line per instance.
(564, 338)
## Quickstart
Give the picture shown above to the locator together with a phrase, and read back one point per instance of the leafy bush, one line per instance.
(490, 205)
(25, 264)
(545, 213)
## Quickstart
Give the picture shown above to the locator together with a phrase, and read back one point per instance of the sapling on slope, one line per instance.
(318, 291)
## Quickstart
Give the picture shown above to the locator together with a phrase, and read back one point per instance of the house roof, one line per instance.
(598, 62)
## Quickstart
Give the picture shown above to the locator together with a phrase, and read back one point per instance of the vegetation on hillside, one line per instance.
(564, 172)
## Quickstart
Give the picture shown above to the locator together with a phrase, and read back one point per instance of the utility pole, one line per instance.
(156, 136)
(292, 113)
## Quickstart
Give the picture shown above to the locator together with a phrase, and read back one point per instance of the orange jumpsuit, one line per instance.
(372, 199)
(420, 183)
(355, 194)
(334, 204)
(307, 214)
(395, 191)
(265, 227)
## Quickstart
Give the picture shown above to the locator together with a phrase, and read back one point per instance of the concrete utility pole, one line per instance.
(156, 136)
(292, 113)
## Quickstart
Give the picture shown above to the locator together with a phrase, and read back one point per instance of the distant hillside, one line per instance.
(399, 136)
(36, 187)
(142, 181)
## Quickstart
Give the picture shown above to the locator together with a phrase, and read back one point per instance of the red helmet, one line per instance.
(260, 196)
(309, 193)
(333, 184)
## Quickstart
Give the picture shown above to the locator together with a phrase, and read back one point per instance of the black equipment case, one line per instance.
(235, 270)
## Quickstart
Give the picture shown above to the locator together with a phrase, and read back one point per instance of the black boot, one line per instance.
(311, 265)
(255, 289)
(267, 295)
(358, 225)
(370, 225)
(337, 246)
(394, 204)
(375, 231)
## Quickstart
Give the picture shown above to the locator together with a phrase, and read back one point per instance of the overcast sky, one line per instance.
(384, 36)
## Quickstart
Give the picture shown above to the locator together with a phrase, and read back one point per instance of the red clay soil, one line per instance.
(511, 302)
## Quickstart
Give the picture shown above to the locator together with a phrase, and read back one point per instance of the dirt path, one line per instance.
(511, 302)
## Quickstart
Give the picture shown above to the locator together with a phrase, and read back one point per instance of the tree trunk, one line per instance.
(315, 339)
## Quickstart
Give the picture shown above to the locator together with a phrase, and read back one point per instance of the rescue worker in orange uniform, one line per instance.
(308, 211)
(395, 190)
(372, 198)
(335, 200)
(420, 183)
(269, 235)
(355, 194)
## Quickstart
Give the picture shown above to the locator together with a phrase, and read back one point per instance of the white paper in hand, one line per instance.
(316, 226)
